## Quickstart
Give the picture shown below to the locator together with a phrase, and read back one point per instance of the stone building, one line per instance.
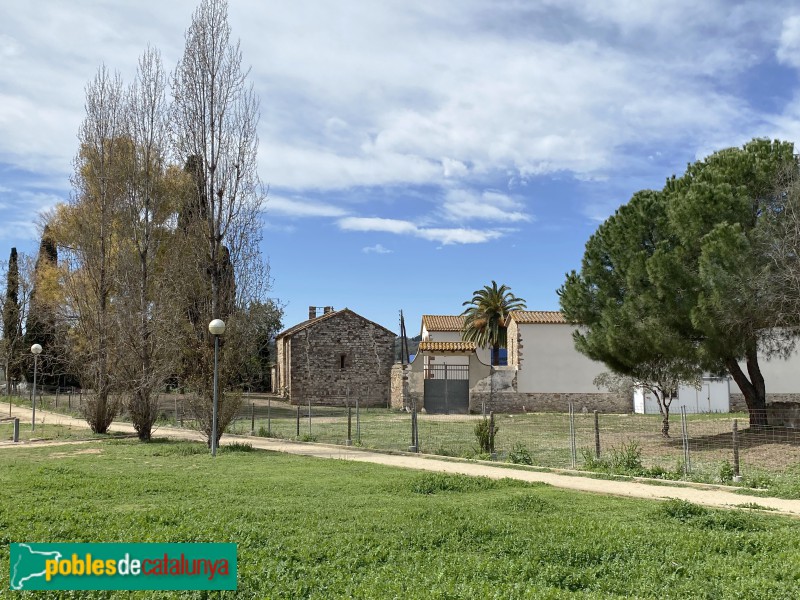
(333, 358)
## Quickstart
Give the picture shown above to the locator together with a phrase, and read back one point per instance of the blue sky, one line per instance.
(414, 151)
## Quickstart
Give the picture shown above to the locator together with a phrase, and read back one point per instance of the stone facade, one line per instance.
(514, 402)
(782, 409)
(398, 400)
(499, 392)
(333, 358)
(514, 342)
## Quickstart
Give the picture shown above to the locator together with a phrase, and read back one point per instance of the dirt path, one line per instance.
(708, 495)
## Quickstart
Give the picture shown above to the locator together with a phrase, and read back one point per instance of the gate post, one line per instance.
(446, 399)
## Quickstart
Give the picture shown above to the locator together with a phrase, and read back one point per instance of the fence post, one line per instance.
(349, 440)
(57, 391)
(597, 435)
(572, 448)
(252, 418)
(491, 435)
(181, 413)
(298, 419)
(736, 475)
(358, 422)
(16, 429)
(413, 447)
(309, 416)
(687, 465)
(176, 409)
(269, 416)
(69, 399)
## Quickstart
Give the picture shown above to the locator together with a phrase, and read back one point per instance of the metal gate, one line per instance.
(447, 389)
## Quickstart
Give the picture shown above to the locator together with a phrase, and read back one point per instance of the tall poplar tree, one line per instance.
(93, 229)
(215, 117)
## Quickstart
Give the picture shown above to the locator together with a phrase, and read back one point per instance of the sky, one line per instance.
(417, 150)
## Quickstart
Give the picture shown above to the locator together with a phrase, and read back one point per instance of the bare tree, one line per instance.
(215, 115)
(143, 301)
(661, 378)
(89, 231)
(778, 238)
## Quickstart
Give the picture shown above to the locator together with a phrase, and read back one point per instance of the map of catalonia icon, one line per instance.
(28, 564)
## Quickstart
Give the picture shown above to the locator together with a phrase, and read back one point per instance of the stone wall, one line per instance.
(784, 414)
(514, 340)
(498, 392)
(739, 405)
(341, 357)
(398, 401)
(513, 402)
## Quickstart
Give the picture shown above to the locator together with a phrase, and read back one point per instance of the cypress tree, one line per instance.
(12, 328)
(40, 326)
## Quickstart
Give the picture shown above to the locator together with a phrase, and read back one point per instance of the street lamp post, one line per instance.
(216, 328)
(36, 350)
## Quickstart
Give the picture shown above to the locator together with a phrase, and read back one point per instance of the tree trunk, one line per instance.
(663, 408)
(495, 356)
(754, 393)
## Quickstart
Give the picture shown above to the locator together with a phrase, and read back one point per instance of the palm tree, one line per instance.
(484, 320)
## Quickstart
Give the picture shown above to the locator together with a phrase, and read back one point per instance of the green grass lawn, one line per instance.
(46, 432)
(309, 528)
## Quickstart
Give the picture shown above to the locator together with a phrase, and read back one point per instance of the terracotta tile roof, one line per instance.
(447, 347)
(537, 317)
(443, 322)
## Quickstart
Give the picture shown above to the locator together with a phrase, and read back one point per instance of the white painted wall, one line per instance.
(713, 396)
(780, 376)
(550, 362)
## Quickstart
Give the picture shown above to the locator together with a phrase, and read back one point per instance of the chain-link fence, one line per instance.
(706, 447)
(710, 447)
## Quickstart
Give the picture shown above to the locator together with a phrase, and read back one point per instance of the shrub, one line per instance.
(682, 510)
(627, 459)
(443, 451)
(264, 432)
(520, 455)
(758, 480)
(431, 483)
(485, 441)
(725, 472)
(591, 462)
(237, 447)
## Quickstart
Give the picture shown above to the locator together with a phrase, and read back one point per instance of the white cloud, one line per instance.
(396, 226)
(465, 205)
(437, 93)
(788, 51)
(292, 207)
(400, 227)
(376, 249)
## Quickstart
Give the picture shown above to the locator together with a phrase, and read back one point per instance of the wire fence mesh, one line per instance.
(699, 446)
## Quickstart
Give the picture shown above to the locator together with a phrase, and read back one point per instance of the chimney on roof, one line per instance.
(328, 309)
(312, 312)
